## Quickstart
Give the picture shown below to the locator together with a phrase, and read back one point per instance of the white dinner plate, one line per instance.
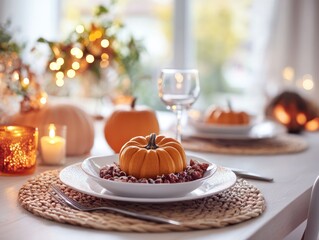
(196, 120)
(201, 126)
(74, 177)
(92, 166)
(264, 130)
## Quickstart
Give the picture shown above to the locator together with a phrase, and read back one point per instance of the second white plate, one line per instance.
(264, 130)
(204, 127)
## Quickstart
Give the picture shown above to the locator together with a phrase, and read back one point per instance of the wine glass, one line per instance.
(178, 89)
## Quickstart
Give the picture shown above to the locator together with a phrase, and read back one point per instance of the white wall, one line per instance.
(31, 19)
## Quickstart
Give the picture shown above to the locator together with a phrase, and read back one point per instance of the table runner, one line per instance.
(283, 144)
(241, 202)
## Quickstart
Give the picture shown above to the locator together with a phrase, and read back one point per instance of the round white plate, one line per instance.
(264, 130)
(92, 166)
(74, 177)
(201, 126)
(204, 127)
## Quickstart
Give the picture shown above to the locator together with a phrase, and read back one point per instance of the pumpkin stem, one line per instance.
(151, 143)
(229, 105)
(133, 102)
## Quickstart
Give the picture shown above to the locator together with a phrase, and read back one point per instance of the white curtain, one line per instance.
(292, 54)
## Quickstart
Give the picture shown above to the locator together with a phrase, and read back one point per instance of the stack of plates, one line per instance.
(84, 177)
(257, 129)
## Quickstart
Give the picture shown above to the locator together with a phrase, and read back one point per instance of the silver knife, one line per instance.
(250, 175)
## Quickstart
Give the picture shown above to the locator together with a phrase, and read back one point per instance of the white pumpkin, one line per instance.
(80, 130)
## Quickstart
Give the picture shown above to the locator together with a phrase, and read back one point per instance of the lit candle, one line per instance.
(53, 147)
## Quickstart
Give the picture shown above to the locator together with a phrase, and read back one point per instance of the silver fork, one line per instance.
(76, 205)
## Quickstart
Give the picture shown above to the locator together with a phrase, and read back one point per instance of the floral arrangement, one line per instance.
(93, 48)
(16, 78)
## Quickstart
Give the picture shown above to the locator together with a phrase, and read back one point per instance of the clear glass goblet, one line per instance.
(178, 89)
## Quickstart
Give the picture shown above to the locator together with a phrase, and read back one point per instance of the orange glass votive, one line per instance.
(18, 149)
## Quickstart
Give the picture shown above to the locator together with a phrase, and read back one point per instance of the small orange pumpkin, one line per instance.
(127, 122)
(227, 117)
(150, 156)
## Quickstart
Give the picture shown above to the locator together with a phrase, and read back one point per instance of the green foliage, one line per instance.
(122, 54)
(101, 10)
(7, 44)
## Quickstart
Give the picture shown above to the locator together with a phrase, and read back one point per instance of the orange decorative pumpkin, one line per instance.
(127, 122)
(227, 117)
(80, 130)
(150, 156)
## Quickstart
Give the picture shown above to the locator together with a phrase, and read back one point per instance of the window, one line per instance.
(230, 40)
(217, 37)
(224, 39)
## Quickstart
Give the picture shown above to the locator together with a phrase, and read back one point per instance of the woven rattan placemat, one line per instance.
(280, 145)
(241, 202)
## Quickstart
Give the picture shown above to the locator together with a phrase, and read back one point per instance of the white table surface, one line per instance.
(286, 198)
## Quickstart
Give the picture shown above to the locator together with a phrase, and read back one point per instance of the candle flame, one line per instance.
(312, 125)
(281, 114)
(51, 131)
(301, 118)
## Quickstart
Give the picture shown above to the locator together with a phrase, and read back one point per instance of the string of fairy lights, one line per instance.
(91, 49)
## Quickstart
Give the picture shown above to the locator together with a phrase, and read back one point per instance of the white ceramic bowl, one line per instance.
(92, 165)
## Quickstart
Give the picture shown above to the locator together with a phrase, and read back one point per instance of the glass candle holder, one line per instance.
(18, 149)
(53, 144)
